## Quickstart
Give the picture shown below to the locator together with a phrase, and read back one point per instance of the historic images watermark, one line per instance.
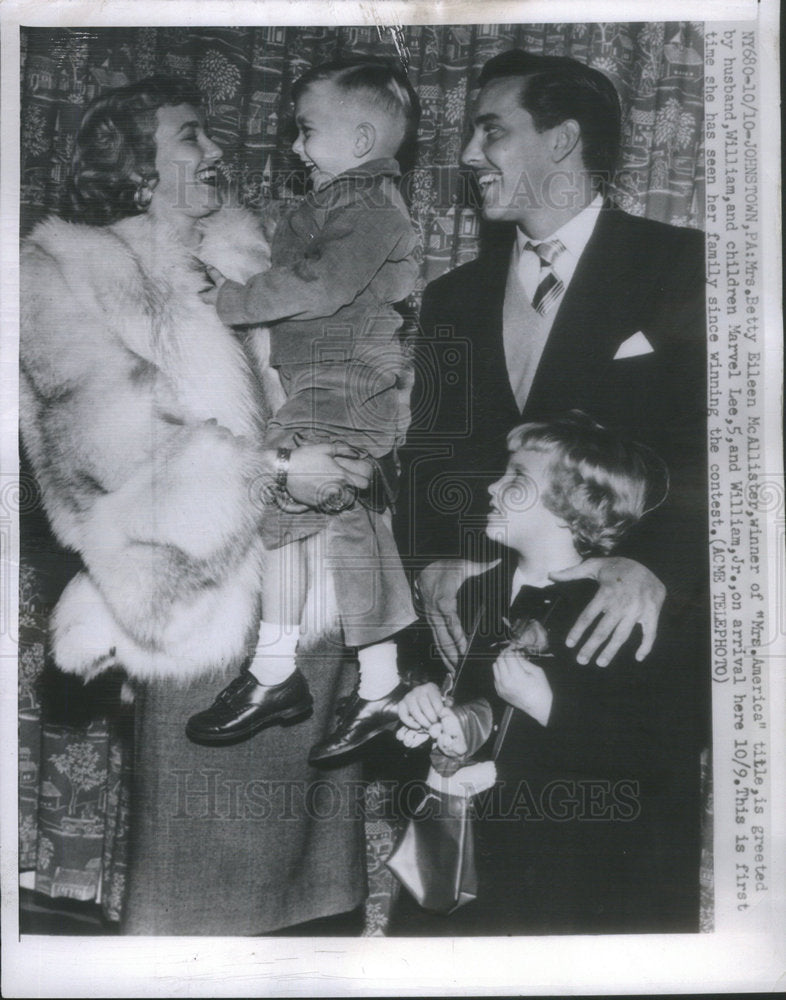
(213, 794)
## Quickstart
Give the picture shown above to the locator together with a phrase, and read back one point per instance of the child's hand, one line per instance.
(421, 707)
(523, 685)
(411, 737)
(449, 735)
(210, 294)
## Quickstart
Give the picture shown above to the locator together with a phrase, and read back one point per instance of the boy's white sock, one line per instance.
(378, 670)
(274, 657)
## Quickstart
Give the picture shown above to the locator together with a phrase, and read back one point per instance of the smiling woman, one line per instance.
(131, 140)
(142, 418)
(186, 160)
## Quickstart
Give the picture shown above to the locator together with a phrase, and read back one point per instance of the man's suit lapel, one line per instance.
(490, 358)
(592, 320)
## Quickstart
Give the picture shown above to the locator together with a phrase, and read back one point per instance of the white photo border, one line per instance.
(738, 956)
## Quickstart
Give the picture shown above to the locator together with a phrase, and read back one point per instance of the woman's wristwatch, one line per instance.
(281, 469)
(274, 490)
(333, 502)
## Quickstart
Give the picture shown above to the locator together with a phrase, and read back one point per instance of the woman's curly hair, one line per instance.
(116, 149)
(599, 483)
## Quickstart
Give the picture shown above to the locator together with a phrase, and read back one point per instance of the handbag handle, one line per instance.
(470, 639)
(507, 715)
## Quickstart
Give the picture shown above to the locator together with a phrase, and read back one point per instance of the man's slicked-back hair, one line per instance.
(381, 82)
(116, 147)
(555, 88)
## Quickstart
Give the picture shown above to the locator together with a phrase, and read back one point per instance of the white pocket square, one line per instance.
(633, 347)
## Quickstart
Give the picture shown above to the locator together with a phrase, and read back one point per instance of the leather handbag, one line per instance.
(435, 857)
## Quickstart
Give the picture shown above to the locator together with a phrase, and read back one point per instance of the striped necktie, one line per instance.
(550, 287)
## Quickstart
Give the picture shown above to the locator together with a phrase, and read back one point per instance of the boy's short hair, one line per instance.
(381, 82)
(599, 483)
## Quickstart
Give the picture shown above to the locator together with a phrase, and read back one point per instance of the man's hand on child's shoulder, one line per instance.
(628, 595)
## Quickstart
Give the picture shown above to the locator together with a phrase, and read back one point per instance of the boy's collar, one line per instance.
(354, 180)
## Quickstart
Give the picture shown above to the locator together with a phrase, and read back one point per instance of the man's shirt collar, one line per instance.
(574, 234)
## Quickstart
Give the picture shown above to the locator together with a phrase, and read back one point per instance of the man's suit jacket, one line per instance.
(635, 276)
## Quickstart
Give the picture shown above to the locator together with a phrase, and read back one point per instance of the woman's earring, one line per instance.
(143, 195)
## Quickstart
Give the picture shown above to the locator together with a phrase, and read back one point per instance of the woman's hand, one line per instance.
(523, 685)
(319, 471)
(628, 595)
(435, 591)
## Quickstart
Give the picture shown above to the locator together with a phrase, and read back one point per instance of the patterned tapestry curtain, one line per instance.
(246, 76)
(74, 786)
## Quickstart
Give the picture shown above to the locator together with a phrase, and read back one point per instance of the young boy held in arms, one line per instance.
(340, 261)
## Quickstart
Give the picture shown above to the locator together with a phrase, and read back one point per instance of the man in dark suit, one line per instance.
(572, 304)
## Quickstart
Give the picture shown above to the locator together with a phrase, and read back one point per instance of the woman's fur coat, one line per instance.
(142, 415)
